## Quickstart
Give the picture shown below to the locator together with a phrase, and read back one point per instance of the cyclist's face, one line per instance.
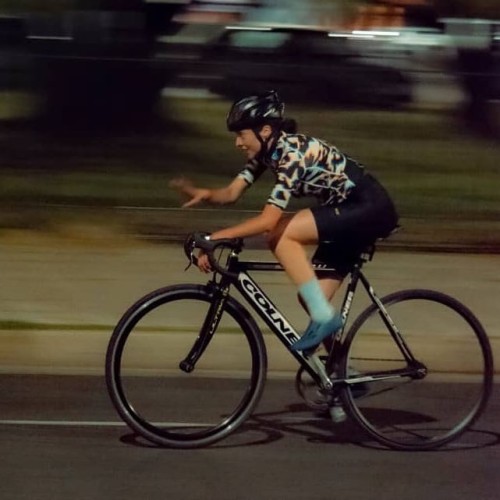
(247, 142)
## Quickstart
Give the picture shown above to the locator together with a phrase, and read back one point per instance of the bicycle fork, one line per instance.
(208, 328)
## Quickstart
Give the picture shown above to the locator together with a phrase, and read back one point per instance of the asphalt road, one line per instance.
(60, 436)
(61, 439)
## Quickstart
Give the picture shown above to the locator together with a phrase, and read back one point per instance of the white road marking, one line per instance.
(63, 423)
(104, 423)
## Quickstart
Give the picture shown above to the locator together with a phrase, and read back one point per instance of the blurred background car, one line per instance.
(307, 65)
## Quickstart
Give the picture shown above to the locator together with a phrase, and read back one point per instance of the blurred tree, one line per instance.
(455, 8)
(489, 9)
(452, 8)
(477, 64)
(93, 61)
(62, 5)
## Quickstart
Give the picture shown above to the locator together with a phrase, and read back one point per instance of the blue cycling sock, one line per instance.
(318, 306)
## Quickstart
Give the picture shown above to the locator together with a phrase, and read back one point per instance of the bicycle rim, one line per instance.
(418, 413)
(163, 403)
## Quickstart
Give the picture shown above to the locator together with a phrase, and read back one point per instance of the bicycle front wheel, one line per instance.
(448, 387)
(185, 408)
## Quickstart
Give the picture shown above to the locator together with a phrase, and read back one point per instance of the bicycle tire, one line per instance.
(426, 413)
(163, 403)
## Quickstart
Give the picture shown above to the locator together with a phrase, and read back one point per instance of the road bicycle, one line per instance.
(186, 364)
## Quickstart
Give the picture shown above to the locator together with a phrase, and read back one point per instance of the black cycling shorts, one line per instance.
(346, 230)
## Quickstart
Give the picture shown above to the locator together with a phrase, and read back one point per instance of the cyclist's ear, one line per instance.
(266, 131)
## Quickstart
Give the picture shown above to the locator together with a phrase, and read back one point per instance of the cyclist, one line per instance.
(353, 209)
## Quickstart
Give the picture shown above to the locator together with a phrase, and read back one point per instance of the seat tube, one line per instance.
(334, 345)
(349, 295)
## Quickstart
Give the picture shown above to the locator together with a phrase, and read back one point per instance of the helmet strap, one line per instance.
(264, 143)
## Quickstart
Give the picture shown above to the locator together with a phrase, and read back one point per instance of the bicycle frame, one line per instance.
(237, 275)
(336, 352)
(370, 350)
(273, 317)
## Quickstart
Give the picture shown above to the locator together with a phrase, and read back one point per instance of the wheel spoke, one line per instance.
(165, 402)
(430, 404)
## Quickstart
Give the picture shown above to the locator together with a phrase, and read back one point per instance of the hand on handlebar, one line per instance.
(204, 263)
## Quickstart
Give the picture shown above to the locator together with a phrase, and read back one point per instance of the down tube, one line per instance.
(278, 324)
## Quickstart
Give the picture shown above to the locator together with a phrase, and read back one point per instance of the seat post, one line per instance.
(367, 254)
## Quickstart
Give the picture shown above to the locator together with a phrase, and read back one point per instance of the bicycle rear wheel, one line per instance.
(438, 402)
(159, 400)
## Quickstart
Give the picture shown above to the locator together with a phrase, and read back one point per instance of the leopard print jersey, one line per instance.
(306, 166)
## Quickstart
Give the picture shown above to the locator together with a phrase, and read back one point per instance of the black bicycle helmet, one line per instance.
(253, 111)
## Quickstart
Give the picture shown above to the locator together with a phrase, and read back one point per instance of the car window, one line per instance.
(258, 39)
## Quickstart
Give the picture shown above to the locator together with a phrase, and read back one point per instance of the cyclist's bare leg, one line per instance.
(328, 285)
(288, 241)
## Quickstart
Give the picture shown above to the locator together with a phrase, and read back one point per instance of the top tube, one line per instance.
(234, 265)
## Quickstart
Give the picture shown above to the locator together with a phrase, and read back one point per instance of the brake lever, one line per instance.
(189, 248)
(201, 240)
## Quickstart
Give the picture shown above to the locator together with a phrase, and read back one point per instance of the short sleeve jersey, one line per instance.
(306, 166)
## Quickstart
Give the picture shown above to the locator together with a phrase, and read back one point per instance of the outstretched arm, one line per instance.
(222, 196)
